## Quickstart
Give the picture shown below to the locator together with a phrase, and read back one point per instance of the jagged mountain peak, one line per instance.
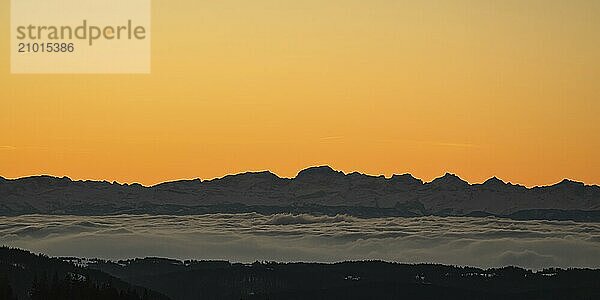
(248, 177)
(449, 179)
(257, 174)
(357, 174)
(319, 172)
(569, 183)
(43, 179)
(184, 182)
(406, 179)
(494, 181)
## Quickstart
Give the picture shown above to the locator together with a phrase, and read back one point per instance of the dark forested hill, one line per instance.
(350, 280)
(24, 275)
(28, 276)
(320, 190)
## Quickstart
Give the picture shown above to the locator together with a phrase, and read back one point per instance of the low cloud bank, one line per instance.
(289, 219)
(483, 242)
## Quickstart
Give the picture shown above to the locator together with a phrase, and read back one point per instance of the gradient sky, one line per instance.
(479, 88)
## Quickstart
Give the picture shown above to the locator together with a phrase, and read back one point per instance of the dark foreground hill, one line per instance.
(28, 276)
(350, 280)
(318, 190)
(24, 275)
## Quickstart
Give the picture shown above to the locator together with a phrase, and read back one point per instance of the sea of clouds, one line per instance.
(482, 242)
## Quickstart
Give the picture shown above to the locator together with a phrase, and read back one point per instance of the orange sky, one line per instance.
(479, 88)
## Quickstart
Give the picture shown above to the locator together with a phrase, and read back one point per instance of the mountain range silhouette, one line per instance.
(320, 190)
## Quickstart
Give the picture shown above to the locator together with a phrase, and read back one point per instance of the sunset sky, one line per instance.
(479, 88)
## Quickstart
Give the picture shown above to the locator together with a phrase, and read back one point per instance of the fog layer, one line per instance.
(482, 242)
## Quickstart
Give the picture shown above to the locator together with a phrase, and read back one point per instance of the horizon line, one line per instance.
(447, 173)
